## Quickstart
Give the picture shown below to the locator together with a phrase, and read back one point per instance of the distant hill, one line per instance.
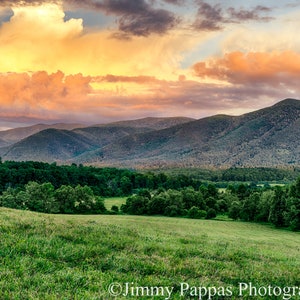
(60, 145)
(10, 136)
(152, 123)
(51, 143)
(266, 137)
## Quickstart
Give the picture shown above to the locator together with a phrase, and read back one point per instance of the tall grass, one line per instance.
(78, 257)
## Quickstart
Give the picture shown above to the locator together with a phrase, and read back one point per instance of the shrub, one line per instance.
(196, 213)
(211, 213)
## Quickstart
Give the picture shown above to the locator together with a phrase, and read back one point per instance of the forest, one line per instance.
(279, 205)
(72, 189)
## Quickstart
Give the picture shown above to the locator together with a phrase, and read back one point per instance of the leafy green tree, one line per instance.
(211, 202)
(174, 203)
(41, 197)
(125, 186)
(98, 206)
(221, 206)
(292, 216)
(136, 205)
(191, 198)
(235, 210)
(84, 199)
(196, 213)
(211, 213)
(65, 197)
(295, 189)
(115, 209)
(242, 191)
(249, 208)
(264, 204)
(157, 204)
(278, 208)
(10, 199)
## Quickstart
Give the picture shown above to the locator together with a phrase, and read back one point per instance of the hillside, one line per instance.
(268, 137)
(79, 257)
(11, 136)
(60, 145)
(152, 123)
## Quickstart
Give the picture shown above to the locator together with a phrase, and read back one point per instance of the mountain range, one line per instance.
(266, 137)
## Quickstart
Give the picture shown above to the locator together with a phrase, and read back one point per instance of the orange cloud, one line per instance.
(39, 38)
(41, 94)
(78, 98)
(252, 67)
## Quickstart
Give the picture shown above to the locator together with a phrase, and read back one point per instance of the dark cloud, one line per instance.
(246, 15)
(214, 17)
(209, 17)
(158, 21)
(143, 17)
(176, 2)
(137, 18)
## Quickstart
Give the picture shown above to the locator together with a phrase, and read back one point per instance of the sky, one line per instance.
(98, 61)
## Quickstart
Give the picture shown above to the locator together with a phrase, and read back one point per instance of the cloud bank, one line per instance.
(77, 98)
(145, 58)
(252, 68)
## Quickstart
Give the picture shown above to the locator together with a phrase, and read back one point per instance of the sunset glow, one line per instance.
(100, 61)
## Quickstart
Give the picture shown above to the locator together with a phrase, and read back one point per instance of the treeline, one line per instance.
(107, 182)
(45, 198)
(259, 174)
(279, 205)
(110, 182)
(51, 188)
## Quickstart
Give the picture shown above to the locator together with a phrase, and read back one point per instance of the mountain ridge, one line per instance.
(265, 137)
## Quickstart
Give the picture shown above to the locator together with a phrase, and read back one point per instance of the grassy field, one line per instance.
(117, 201)
(79, 257)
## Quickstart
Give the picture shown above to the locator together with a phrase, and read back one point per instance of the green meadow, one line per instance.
(82, 257)
(114, 201)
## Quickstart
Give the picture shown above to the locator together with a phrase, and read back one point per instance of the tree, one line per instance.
(292, 216)
(9, 199)
(211, 213)
(196, 213)
(263, 207)
(278, 208)
(41, 197)
(136, 205)
(115, 209)
(191, 198)
(84, 199)
(235, 210)
(157, 204)
(249, 208)
(125, 186)
(65, 196)
(174, 204)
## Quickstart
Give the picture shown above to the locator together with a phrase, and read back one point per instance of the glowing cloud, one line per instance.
(256, 67)
(38, 38)
(144, 58)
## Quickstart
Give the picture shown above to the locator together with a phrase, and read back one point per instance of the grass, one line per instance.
(117, 201)
(78, 257)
